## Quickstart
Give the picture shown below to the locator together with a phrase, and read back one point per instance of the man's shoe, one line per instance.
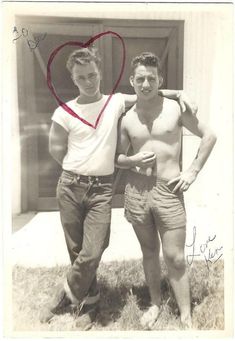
(56, 306)
(186, 323)
(87, 316)
(149, 318)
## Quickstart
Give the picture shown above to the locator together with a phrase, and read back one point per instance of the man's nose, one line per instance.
(88, 81)
(146, 83)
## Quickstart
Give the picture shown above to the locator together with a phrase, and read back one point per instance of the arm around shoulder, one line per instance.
(185, 103)
(129, 100)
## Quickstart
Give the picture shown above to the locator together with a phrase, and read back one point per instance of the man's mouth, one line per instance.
(92, 89)
(146, 91)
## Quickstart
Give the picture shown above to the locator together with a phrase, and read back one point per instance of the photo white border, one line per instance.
(10, 9)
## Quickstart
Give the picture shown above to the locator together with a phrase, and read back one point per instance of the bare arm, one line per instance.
(185, 103)
(58, 142)
(123, 145)
(142, 159)
(177, 95)
(208, 140)
(130, 100)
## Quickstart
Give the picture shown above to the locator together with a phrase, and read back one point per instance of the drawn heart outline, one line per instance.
(77, 43)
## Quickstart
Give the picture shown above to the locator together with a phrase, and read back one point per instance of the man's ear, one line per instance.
(101, 75)
(73, 80)
(131, 79)
(160, 81)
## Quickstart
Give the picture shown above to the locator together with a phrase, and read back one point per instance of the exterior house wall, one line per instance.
(207, 79)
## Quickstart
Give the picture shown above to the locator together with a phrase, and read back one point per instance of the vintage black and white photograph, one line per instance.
(118, 169)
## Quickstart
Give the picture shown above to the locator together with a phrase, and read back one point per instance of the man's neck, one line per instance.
(87, 100)
(150, 106)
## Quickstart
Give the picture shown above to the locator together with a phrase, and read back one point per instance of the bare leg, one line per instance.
(150, 245)
(173, 242)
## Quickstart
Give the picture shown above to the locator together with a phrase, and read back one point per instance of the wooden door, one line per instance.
(39, 171)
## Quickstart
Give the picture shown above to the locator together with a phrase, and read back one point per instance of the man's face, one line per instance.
(146, 82)
(87, 78)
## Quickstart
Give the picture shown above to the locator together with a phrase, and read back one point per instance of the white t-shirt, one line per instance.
(91, 151)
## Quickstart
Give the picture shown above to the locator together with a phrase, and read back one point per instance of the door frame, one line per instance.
(157, 29)
(26, 83)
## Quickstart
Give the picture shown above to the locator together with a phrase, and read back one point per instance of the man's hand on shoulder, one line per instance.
(185, 103)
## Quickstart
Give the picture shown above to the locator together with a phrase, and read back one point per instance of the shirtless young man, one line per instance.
(84, 190)
(154, 202)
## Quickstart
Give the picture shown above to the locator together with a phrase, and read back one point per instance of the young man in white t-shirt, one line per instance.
(84, 189)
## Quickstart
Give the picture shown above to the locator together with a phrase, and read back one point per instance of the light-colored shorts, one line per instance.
(150, 201)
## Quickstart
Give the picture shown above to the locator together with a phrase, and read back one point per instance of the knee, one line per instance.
(90, 256)
(93, 256)
(91, 253)
(175, 261)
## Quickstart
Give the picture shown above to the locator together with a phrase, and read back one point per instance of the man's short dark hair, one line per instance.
(146, 59)
(83, 56)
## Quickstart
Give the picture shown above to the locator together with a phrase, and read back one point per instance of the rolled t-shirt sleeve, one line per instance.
(62, 118)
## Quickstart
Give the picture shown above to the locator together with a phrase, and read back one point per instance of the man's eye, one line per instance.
(141, 79)
(80, 78)
(93, 76)
(152, 79)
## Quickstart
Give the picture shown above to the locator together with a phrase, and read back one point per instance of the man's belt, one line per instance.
(102, 179)
(95, 179)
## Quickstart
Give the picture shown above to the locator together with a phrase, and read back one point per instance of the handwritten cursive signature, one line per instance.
(207, 250)
(24, 34)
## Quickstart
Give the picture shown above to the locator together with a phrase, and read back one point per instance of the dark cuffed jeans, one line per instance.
(85, 212)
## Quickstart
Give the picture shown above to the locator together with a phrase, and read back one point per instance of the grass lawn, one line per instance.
(124, 296)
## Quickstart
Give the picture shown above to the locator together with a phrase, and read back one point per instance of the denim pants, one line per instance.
(85, 212)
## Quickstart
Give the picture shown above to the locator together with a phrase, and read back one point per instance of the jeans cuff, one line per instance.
(92, 299)
(87, 300)
(70, 295)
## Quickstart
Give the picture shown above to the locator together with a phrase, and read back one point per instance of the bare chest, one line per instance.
(164, 127)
